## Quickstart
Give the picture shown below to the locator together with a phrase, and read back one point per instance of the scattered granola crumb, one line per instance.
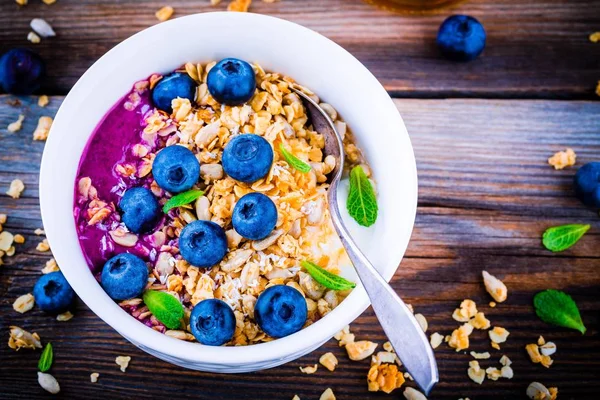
(598, 89)
(548, 349)
(329, 361)
(479, 321)
(505, 361)
(43, 100)
(538, 391)
(408, 376)
(43, 128)
(164, 13)
(480, 356)
(563, 159)
(533, 350)
(495, 345)
(48, 383)
(383, 357)
(51, 266)
(17, 125)
(6, 240)
(459, 339)
(422, 321)
(595, 37)
(498, 334)
(49, 1)
(327, 395)
(385, 378)
(39, 232)
(123, 362)
(492, 304)
(42, 27)
(495, 287)
(64, 317)
(16, 188)
(24, 303)
(94, 377)
(43, 246)
(475, 372)
(311, 369)
(214, 2)
(387, 346)
(3, 218)
(467, 310)
(413, 394)
(33, 37)
(296, 397)
(239, 5)
(493, 373)
(360, 350)
(553, 393)
(19, 239)
(19, 338)
(541, 341)
(21, 2)
(435, 340)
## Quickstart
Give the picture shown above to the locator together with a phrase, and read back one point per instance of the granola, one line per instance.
(16, 188)
(17, 125)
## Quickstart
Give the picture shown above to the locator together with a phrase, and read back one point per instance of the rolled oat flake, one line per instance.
(42, 28)
(48, 382)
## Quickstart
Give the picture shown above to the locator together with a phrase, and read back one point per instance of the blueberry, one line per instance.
(202, 243)
(461, 38)
(231, 81)
(53, 293)
(140, 210)
(176, 169)
(21, 71)
(212, 322)
(254, 216)
(587, 184)
(280, 311)
(247, 158)
(170, 87)
(124, 276)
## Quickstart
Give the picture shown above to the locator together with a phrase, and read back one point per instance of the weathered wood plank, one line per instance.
(486, 195)
(534, 49)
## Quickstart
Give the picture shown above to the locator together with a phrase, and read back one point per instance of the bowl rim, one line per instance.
(145, 337)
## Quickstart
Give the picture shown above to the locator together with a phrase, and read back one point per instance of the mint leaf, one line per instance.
(182, 199)
(294, 161)
(558, 308)
(326, 278)
(361, 204)
(46, 358)
(166, 308)
(559, 238)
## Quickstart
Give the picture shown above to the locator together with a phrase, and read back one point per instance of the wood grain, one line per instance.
(535, 49)
(486, 194)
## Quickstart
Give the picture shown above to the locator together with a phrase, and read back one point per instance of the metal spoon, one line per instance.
(399, 324)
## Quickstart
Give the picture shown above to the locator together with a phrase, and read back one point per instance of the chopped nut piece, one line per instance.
(19, 338)
(507, 372)
(505, 361)
(42, 28)
(43, 246)
(480, 321)
(422, 321)
(498, 334)
(327, 395)
(548, 349)
(413, 394)
(24, 303)
(537, 391)
(39, 232)
(51, 266)
(495, 345)
(6, 240)
(64, 317)
(43, 128)
(467, 310)
(295, 396)
(17, 125)
(123, 362)
(329, 361)
(33, 38)
(94, 377)
(43, 100)
(164, 13)
(385, 378)
(475, 372)
(346, 339)
(534, 354)
(480, 356)
(16, 188)
(360, 350)
(387, 346)
(553, 393)
(495, 287)
(19, 239)
(594, 37)
(346, 330)
(48, 383)
(384, 357)
(541, 341)
(563, 159)
(459, 339)
(309, 369)
(435, 340)
(493, 373)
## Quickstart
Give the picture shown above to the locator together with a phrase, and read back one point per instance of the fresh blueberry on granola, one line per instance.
(461, 38)
(179, 191)
(171, 87)
(21, 71)
(140, 210)
(124, 276)
(231, 81)
(254, 216)
(176, 169)
(280, 311)
(587, 184)
(52, 293)
(247, 158)
(212, 322)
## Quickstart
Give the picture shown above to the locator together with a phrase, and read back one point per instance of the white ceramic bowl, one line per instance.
(314, 61)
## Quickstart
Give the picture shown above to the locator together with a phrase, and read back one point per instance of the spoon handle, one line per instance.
(399, 324)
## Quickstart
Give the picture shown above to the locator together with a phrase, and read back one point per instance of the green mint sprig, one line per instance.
(294, 161)
(46, 358)
(165, 307)
(362, 203)
(558, 308)
(182, 199)
(560, 238)
(326, 278)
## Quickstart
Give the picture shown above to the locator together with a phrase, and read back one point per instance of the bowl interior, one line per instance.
(277, 45)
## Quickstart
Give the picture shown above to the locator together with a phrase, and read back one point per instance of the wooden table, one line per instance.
(482, 132)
